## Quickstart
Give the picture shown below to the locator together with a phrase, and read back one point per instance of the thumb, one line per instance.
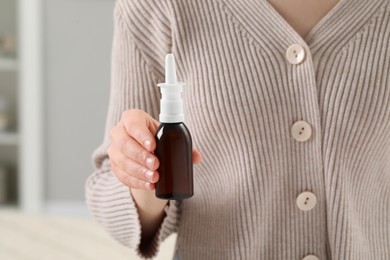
(196, 156)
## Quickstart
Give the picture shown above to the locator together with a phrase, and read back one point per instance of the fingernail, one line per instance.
(149, 174)
(150, 162)
(148, 144)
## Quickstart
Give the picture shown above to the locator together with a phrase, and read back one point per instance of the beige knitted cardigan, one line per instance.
(243, 97)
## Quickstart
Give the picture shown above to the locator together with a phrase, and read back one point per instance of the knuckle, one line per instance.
(141, 171)
(132, 128)
(127, 180)
(135, 111)
(126, 122)
(132, 124)
(129, 114)
(141, 184)
(115, 135)
(141, 156)
(126, 113)
(122, 144)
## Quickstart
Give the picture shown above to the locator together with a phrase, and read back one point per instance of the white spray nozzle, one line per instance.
(170, 69)
(171, 103)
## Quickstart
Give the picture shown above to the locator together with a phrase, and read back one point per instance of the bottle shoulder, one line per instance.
(173, 129)
(173, 126)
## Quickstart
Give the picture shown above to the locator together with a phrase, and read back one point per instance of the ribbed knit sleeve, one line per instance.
(133, 85)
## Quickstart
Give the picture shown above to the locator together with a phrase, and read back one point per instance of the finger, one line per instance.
(142, 128)
(133, 168)
(133, 150)
(130, 181)
(196, 156)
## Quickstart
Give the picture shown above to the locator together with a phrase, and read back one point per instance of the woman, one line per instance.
(288, 104)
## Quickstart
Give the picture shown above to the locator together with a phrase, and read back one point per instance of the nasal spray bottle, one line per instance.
(174, 143)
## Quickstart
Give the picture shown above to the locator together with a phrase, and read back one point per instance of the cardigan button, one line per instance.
(306, 201)
(310, 257)
(301, 131)
(295, 54)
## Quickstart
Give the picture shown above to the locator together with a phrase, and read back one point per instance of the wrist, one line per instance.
(146, 200)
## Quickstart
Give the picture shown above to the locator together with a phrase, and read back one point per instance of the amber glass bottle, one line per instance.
(174, 150)
(174, 143)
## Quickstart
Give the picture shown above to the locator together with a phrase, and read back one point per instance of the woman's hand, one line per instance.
(131, 150)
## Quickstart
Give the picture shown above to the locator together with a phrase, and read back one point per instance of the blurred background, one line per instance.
(54, 87)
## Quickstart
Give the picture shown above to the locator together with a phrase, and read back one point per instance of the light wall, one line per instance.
(77, 50)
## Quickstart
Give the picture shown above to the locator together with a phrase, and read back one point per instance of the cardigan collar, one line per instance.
(266, 26)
